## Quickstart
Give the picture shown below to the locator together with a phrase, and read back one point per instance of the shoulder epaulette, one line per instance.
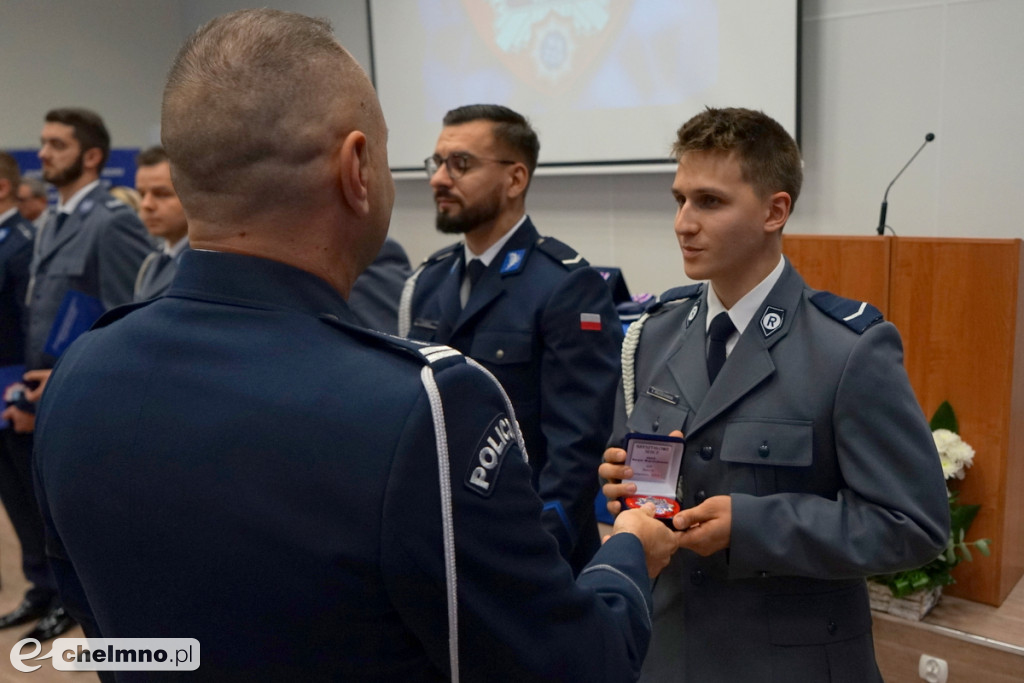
(441, 254)
(857, 315)
(425, 352)
(115, 205)
(675, 295)
(561, 252)
(115, 314)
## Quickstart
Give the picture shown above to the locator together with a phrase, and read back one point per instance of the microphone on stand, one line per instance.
(885, 200)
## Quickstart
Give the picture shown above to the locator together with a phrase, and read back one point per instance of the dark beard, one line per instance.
(65, 176)
(470, 218)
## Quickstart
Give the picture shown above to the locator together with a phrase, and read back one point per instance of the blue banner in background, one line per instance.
(120, 168)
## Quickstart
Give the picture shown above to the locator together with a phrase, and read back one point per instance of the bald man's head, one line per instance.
(255, 106)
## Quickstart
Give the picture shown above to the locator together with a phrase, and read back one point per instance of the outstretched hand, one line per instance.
(658, 540)
(706, 528)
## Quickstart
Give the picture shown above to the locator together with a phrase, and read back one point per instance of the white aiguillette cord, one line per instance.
(444, 478)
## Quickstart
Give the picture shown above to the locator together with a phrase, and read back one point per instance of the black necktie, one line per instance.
(474, 270)
(61, 217)
(718, 334)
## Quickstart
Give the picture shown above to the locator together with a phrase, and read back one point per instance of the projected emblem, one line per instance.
(547, 44)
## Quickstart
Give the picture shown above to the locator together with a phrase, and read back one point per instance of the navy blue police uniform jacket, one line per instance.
(530, 320)
(239, 462)
(16, 235)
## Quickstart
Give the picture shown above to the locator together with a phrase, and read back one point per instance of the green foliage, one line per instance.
(944, 418)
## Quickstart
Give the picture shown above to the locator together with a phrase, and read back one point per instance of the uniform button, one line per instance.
(499, 354)
(763, 450)
(700, 496)
(655, 425)
(707, 452)
(832, 627)
(697, 577)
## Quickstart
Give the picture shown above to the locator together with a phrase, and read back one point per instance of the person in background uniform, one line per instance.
(538, 316)
(164, 217)
(16, 234)
(33, 202)
(128, 196)
(808, 463)
(376, 292)
(240, 462)
(93, 246)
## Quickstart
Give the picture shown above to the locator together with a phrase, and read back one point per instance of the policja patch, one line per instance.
(490, 452)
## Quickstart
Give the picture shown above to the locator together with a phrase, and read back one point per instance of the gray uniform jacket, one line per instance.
(813, 429)
(156, 273)
(97, 251)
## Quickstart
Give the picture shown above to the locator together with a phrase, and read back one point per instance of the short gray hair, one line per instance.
(251, 107)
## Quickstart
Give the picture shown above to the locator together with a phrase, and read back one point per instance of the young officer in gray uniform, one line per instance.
(241, 463)
(538, 316)
(808, 463)
(92, 246)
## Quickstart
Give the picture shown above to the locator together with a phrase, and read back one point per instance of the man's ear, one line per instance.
(352, 173)
(6, 187)
(91, 158)
(777, 211)
(520, 180)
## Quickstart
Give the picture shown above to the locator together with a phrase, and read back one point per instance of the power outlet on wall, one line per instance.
(933, 669)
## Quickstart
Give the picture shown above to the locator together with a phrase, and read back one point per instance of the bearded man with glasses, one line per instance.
(527, 307)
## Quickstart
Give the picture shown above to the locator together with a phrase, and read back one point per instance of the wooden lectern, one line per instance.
(959, 306)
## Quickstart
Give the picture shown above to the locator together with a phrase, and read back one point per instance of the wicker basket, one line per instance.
(915, 606)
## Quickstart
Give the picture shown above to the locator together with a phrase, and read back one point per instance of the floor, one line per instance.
(12, 589)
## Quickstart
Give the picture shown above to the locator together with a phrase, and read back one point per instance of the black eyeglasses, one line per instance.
(457, 163)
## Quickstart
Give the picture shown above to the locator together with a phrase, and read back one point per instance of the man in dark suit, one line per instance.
(376, 292)
(164, 217)
(240, 462)
(808, 463)
(91, 248)
(16, 235)
(538, 316)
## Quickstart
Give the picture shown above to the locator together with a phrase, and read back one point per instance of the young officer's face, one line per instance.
(721, 221)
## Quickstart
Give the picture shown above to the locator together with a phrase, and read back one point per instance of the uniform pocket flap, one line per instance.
(67, 265)
(769, 442)
(499, 348)
(819, 618)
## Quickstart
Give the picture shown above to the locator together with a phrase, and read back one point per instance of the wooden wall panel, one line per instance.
(853, 267)
(956, 304)
(959, 306)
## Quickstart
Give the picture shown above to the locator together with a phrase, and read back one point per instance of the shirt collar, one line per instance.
(7, 214)
(743, 311)
(179, 246)
(492, 251)
(70, 205)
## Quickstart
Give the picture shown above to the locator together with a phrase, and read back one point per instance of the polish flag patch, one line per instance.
(590, 321)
